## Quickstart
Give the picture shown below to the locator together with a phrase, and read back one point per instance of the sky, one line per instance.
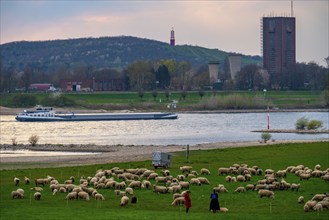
(232, 26)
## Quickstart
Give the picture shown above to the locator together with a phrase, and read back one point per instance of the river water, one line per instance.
(187, 129)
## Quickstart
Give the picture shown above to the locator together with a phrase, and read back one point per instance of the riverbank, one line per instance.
(110, 154)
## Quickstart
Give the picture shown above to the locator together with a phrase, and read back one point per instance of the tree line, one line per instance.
(168, 74)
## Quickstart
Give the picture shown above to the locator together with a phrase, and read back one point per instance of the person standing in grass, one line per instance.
(214, 203)
(187, 198)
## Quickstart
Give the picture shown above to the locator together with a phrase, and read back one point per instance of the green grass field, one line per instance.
(131, 100)
(157, 206)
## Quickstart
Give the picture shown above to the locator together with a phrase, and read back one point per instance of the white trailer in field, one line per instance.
(161, 159)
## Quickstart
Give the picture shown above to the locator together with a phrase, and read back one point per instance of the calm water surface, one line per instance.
(187, 129)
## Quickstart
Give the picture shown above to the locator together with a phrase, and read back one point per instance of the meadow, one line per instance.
(150, 205)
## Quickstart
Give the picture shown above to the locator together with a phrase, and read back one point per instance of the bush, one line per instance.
(314, 124)
(58, 101)
(301, 123)
(33, 140)
(266, 136)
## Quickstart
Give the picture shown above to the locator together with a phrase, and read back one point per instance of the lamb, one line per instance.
(37, 196)
(129, 190)
(178, 201)
(240, 189)
(205, 171)
(26, 180)
(295, 186)
(223, 209)
(38, 189)
(83, 195)
(16, 181)
(301, 199)
(266, 193)
(17, 195)
(99, 196)
(124, 200)
(160, 189)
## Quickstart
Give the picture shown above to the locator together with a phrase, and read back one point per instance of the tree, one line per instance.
(139, 73)
(162, 76)
(246, 76)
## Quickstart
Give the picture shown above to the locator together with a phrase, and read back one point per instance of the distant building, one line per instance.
(279, 47)
(44, 87)
(172, 37)
(233, 66)
(213, 67)
(95, 84)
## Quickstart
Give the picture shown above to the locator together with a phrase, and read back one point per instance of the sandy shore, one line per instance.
(108, 154)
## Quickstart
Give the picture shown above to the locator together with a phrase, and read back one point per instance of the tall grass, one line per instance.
(157, 206)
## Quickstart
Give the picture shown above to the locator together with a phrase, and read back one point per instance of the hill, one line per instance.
(113, 52)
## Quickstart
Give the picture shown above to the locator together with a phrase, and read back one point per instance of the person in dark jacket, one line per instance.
(187, 198)
(214, 203)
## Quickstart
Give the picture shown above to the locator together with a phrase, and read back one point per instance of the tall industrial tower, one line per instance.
(279, 48)
(172, 37)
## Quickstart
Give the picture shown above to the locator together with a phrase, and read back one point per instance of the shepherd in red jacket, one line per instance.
(188, 203)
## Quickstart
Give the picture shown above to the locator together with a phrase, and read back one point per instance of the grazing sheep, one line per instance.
(55, 192)
(250, 187)
(26, 180)
(134, 199)
(318, 197)
(17, 195)
(190, 175)
(306, 208)
(160, 189)
(305, 176)
(220, 189)
(248, 177)
(16, 181)
(39, 182)
(324, 203)
(266, 193)
(83, 195)
(146, 184)
(318, 207)
(228, 179)
(176, 188)
(124, 200)
(241, 178)
(38, 189)
(233, 179)
(203, 180)
(37, 196)
(195, 181)
(194, 173)
(325, 177)
(99, 196)
(129, 190)
(180, 177)
(178, 201)
(184, 184)
(120, 193)
(205, 171)
(166, 173)
(223, 170)
(185, 169)
(240, 189)
(311, 203)
(161, 179)
(135, 184)
(295, 186)
(223, 209)
(317, 167)
(301, 199)
(62, 190)
(20, 191)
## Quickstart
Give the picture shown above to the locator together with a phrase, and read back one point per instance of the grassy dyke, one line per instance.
(193, 101)
(157, 206)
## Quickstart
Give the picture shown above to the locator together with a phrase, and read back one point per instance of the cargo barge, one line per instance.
(40, 114)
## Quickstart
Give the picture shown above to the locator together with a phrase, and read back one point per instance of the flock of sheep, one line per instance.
(123, 182)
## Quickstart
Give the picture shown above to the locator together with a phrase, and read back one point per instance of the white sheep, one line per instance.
(223, 170)
(195, 181)
(38, 189)
(305, 176)
(135, 184)
(152, 176)
(301, 199)
(120, 193)
(55, 192)
(83, 195)
(184, 184)
(317, 167)
(99, 196)
(324, 203)
(37, 196)
(17, 195)
(26, 180)
(266, 193)
(241, 178)
(129, 190)
(306, 208)
(185, 169)
(311, 203)
(250, 187)
(319, 197)
(318, 207)
(203, 180)
(228, 179)
(205, 171)
(178, 201)
(40, 182)
(240, 189)
(295, 186)
(124, 200)
(16, 181)
(161, 179)
(160, 189)
(20, 191)
(223, 209)
(146, 184)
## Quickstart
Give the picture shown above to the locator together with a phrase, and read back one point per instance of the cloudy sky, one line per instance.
(232, 26)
